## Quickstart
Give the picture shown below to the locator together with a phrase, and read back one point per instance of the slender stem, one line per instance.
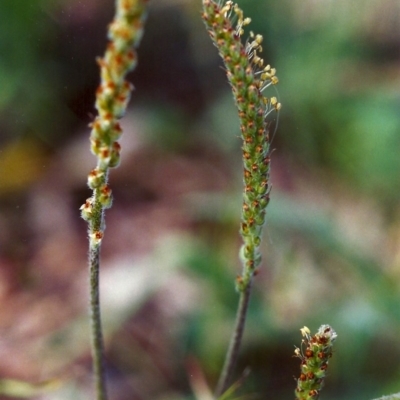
(236, 339)
(96, 329)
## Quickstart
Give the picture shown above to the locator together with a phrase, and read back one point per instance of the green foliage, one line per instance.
(30, 87)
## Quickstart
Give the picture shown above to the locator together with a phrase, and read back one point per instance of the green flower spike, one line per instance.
(314, 361)
(112, 96)
(248, 78)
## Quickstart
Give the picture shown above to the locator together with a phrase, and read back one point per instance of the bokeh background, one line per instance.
(332, 240)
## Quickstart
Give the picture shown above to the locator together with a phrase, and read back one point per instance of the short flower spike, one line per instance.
(314, 355)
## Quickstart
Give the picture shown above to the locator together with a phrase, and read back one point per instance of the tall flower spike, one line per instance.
(314, 354)
(248, 78)
(112, 97)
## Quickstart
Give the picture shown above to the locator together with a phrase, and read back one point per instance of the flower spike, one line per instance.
(248, 78)
(314, 355)
(112, 97)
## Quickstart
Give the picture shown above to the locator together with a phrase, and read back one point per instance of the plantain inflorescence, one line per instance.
(112, 96)
(248, 77)
(314, 355)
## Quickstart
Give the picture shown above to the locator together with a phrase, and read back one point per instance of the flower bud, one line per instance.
(95, 178)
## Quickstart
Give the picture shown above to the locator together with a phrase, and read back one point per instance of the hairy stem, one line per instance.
(95, 320)
(234, 345)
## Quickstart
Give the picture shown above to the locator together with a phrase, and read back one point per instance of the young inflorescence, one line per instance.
(112, 97)
(248, 78)
(314, 354)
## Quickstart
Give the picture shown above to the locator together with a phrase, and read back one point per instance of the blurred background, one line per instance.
(169, 258)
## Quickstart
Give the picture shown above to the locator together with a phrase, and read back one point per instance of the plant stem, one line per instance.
(234, 345)
(96, 328)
